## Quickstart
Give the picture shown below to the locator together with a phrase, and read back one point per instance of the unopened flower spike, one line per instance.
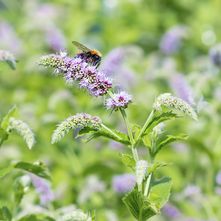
(80, 120)
(174, 103)
(23, 129)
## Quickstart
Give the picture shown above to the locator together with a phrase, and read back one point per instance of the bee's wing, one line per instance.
(81, 47)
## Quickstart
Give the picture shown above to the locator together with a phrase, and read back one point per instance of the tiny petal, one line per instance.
(81, 120)
(141, 171)
(23, 129)
(120, 100)
(174, 103)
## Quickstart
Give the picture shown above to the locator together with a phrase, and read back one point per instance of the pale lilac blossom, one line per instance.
(43, 188)
(9, 39)
(172, 40)
(123, 183)
(171, 211)
(181, 88)
(119, 100)
(55, 38)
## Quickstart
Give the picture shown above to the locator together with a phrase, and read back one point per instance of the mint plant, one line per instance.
(149, 194)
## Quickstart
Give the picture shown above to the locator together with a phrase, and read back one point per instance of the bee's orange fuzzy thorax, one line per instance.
(96, 52)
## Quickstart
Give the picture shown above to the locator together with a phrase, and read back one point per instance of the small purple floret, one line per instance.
(43, 188)
(120, 100)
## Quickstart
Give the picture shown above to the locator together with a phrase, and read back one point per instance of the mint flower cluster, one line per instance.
(78, 69)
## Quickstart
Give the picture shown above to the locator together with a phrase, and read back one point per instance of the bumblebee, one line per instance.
(92, 57)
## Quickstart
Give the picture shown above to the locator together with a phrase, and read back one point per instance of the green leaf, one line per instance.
(5, 120)
(117, 136)
(169, 139)
(37, 169)
(5, 214)
(136, 130)
(142, 207)
(3, 136)
(159, 118)
(160, 192)
(138, 206)
(146, 141)
(36, 217)
(11, 64)
(5, 171)
(18, 192)
(128, 160)
(152, 168)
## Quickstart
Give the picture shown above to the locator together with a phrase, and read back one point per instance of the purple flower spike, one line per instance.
(181, 88)
(123, 183)
(76, 69)
(120, 100)
(55, 39)
(215, 55)
(113, 61)
(218, 178)
(171, 41)
(43, 188)
(171, 211)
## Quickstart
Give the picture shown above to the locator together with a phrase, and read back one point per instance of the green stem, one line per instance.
(124, 115)
(147, 187)
(129, 131)
(111, 132)
(144, 126)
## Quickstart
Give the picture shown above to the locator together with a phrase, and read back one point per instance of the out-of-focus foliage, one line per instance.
(83, 175)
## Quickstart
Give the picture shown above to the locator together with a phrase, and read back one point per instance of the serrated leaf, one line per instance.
(160, 192)
(138, 206)
(128, 160)
(5, 120)
(5, 214)
(170, 139)
(152, 168)
(36, 217)
(142, 207)
(39, 170)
